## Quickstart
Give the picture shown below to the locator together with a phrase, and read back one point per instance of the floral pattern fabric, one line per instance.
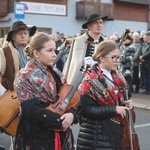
(34, 81)
(101, 89)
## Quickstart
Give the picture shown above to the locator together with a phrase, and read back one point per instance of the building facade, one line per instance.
(67, 16)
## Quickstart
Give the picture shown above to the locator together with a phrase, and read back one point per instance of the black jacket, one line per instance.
(97, 131)
(37, 123)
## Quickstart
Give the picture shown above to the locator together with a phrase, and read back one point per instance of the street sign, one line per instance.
(19, 10)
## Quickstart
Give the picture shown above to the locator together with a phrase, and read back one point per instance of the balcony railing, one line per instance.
(84, 8)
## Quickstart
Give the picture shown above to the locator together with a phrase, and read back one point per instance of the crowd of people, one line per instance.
(27, 66)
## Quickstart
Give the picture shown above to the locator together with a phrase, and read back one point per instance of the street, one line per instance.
(142, 128)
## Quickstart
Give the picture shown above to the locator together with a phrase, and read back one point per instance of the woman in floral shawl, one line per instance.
(37, 86)
(101, 104)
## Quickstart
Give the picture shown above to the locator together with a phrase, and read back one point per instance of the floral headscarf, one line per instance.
(34, 81)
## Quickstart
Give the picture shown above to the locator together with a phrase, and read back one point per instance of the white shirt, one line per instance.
(107, 73)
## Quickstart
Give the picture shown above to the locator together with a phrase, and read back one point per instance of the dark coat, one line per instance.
(97, 131)
(38, 132)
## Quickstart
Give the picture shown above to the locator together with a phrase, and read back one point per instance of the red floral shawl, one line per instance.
(34, 81)
(99, 87)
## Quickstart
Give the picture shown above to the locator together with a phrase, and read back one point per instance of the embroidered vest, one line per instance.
(9, 76)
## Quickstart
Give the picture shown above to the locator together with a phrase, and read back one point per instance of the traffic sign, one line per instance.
(19, 10)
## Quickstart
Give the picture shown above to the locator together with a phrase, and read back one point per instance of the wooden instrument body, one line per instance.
(126, 131)
(9, 111)
(68, 95)
(63, 104)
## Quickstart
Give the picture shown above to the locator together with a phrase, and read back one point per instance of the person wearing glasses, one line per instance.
(102, 103)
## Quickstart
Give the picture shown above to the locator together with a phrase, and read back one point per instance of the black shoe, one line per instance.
(2, 148)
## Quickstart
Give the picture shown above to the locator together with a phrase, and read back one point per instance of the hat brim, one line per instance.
(32, 30)
(84, 26)
(9, 36)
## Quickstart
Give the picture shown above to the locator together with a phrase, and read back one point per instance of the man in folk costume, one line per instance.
(83, 47)
(12, 56)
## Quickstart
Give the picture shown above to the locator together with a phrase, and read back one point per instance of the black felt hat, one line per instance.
(92, 18)
(20, 25)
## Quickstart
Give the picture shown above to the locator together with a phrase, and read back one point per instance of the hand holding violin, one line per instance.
(67, 121)
(129, 104)
(121, 110)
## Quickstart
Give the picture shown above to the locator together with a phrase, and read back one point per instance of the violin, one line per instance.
(130, 139)
(62, 49)
(68, 95)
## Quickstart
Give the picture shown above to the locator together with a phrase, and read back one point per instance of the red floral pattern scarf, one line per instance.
(99, 87)
(34, 81)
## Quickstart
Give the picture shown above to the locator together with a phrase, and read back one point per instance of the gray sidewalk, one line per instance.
(141, 101)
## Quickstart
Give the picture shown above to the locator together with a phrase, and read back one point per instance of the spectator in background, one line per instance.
(142, 33)
(126, 65)
(62, 37)
(57, 39)
(137, 45)
(145, 62)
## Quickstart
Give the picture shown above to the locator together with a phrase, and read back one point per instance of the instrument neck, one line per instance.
(74, 88)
